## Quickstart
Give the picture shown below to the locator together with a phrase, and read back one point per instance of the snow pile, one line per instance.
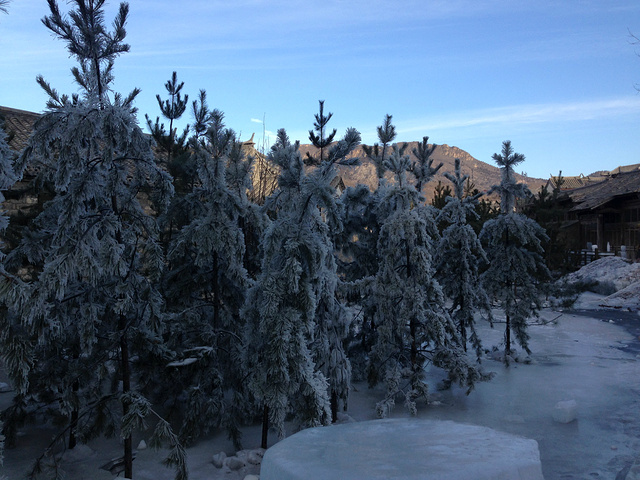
(628, 297)
(403, 448)
(614, 276)
(611, 273)
(237, 462)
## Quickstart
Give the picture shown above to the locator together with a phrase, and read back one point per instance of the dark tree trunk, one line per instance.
(507, 333)
(73, 441)
(265, 426)
(334, 407)
(216, 292)
(507, 338)
(126, 387)
(413, 327)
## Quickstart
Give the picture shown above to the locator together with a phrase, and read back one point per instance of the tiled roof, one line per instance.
(570, 183)
(598, 194)
(18, 124)
(626, 168)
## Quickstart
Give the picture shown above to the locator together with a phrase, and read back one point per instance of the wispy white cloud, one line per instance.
(552, 113)
(256, 120)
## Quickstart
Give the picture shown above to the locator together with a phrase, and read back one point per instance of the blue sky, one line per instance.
(557, 78)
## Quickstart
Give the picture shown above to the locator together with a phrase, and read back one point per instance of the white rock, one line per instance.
(234, 463)
(218, 459)
(254, 457)
(524, 358)
(345, 418)
(565, 411)
(142, 445)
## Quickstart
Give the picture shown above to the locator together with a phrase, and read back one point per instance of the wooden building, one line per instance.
(607, 213)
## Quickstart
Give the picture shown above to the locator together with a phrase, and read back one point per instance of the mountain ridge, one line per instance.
(483, 175)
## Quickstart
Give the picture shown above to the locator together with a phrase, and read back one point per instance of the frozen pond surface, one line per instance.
(576, 357)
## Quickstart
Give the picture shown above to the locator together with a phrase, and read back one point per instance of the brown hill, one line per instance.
(482, 175)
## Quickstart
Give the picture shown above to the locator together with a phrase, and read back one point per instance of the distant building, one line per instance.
(22, 201)
(18, 125)
(606, 213)
(570, 183)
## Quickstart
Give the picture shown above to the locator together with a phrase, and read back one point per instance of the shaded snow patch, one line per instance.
(610, 274)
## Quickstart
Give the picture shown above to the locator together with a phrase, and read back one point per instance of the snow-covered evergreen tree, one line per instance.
(207, 283)
(322, 140)
(88, 320)
(173, 145)
(423, 168)
(357, 243)
(378, 152)
(413, 325)
(172, 109)
(513, 243)
(460, 254)
(295, 327)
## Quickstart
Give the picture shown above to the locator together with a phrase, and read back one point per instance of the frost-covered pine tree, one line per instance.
(460, 255)
(88, 319)
(356, 243)
(172, 109)
(423, 168)
(378, 153)
(207, 283)
(321, 140)
(295, 328)
(513, 243)
(173, 145)
(414, 328)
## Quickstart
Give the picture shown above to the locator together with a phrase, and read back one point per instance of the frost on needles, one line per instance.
(413, 326)
(513, 243)
(88, 321)
(295, 326)
(460, 258)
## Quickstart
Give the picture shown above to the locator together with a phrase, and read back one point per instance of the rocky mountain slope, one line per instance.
(482, 175)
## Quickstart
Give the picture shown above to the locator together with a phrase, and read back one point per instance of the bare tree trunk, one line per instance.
(73, 441)
(334, 407)
(265, 426)
(507, 338)
(126, 387)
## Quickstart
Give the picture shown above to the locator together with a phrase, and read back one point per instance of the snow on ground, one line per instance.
(628, 298)
(574, 358)
(594, 362)
(610, 272)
